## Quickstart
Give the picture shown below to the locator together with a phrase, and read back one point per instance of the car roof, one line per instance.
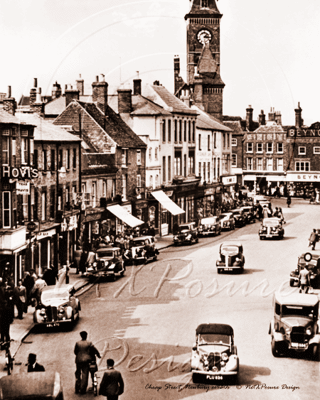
(59, 287)
(236, 209)
(103, 249)
(187, 224)
(141, 238)
(208, 219)
(223, 329)
(272, 219)
(28, 385)
(226, 213)
(231, 243)
(297, 299)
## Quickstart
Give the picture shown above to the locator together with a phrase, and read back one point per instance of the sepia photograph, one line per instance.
(159, 192)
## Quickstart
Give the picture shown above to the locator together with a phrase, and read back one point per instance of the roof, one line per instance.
(55, 106)
(141, 106)
(161, 96)
(235, 126)
(297, 299)
(222, 329)
(25, 100)
(197, 11)
(46, 131)
(7, 118)
(206, 63)
(207, 121)
(270, 127)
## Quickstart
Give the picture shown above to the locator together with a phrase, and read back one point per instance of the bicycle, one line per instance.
(8, 358)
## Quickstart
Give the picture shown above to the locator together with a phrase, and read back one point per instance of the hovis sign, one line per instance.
(19, 172)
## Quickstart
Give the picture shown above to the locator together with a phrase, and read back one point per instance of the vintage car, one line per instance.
(310, 261)
(227, 221)
(109, 262)
(295, 324)
(249, 214)
(58, 305)
(186, 233)
(231, 257)
(214, 355)
(271, 228)
(239, 218)
(35, 386)
(143, 249)
(209, 226)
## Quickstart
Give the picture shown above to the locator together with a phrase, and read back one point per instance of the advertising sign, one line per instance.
(22, 187)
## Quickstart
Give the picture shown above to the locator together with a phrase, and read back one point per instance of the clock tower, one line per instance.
(203, 56)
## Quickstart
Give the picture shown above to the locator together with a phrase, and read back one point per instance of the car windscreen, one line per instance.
(108, 254)
(271, 223)
(224, 216)
(55, 294)
(209, 221)
(209, 338)
(137, 243)
(184, 228)
(230, 250)
(306, 311)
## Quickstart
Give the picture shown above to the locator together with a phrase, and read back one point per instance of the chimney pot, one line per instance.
(35, 82)
(102, 78)
(9, 92)
(137, 86)
(97, 78)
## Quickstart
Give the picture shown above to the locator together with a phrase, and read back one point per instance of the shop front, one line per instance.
(91, 226)
(68, 239)
(121, 217)
(303, 184)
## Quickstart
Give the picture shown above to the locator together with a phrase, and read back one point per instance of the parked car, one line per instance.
(109, 262)
(295, 324)
(312, 263)
(186, 234)
(271, 228)
(209, 226)
(58, 304)
(239, 218)
(227, 221)
(231, 257)
(35, 385)
(249, 214)
(143, 249)
(214, 355)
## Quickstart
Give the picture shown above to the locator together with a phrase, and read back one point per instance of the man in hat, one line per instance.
(33, 366)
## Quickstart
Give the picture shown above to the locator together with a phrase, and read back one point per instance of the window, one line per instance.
(124, 187)
(200, 168)
(234, 160)
(124, 160)
(191, 162)
(209, 143)
(204, 171)
(269, 147)
(269, 164)
(74, 159)
(177, 163)
(169, 168)
(214, 140)
(52, 201)
(151, 181)
(138, 157)
(5, 150)
(185, 165)
(68, 159)
(279, 164)
(259, 164)
(43, 206)
(24, 150)
(163, 169)
(259, 147)
(169, 130)
(302, 151)
(45, 161)
(316, 150)
(35, 158)
(175, 131)
(208, 170)
(302, 166)
(228, 140)
(53, 160)
(249, 147)
(104, 188)
(157, 180)
(218, 167)
(234, 142)
(189, 131)
(193, 131)
(6, 209)
(224, 140)
(249, 164)
(67, 194)
(185, 131)
(60, 159)
(199, 142)
(214, 169)
(94, 194)
(150, 154)
(156, 153)
(279, 147)
(180, 131)
(163, 130)
(204, 3)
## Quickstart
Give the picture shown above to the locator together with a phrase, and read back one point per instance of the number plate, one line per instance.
(214, 377)
(298, 345)
(227, 269)
(53, 324)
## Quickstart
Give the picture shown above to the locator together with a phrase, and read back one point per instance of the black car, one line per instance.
(186, 234)
(249, 214)
(312, 263)
(239, 218)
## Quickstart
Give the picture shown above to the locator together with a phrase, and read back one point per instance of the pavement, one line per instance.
(20, 328)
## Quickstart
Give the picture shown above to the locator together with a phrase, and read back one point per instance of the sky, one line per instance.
(269, 49)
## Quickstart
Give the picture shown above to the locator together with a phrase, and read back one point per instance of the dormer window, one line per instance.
(204, 3)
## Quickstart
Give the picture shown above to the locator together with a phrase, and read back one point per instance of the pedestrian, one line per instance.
(49, 276)
(28, 283)
(304, 279)
(37, 290)
(33, 366)
(82, 350)
(93, 366)
(112, 384)
(288, 200)
(77, 258)
(5, 312)
(312, 239)
(20, 298)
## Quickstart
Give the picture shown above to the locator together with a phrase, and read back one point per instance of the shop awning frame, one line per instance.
(125, 216)
(167, 203)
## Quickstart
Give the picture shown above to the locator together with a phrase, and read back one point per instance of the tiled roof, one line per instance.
(270, 127)
(235, 126)
(207, 121)
(56, 106)
(25, 100)
(206, 63)
(160, 95)
(46, 131)
(140, 106)
(7, 118)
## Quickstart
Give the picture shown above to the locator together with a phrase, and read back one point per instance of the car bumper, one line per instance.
(270, 235)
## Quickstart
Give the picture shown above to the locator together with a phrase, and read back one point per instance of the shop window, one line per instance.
(302, 151)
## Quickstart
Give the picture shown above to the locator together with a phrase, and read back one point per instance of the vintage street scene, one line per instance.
(159, 197)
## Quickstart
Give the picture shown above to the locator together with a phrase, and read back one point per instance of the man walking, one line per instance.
(304, 279)
(312, 239)
(20, 296)
(33, 366)
(112, 384)
(82, 351)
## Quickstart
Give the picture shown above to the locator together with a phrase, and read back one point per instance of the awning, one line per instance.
(167, 203)
(249, 177)
(125, 216)
(276, 178)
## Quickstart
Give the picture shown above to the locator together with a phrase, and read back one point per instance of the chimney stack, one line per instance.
(137, 86)
(38, 106)
(100, 93)
(9, 103)
(185, 97)
(124, 101)
(278, 118)
(71, 94)
(56, 91)
(262, 118)
(271, 115)
(80, 85)
(299, 120)
(33, 92)
(249, 118)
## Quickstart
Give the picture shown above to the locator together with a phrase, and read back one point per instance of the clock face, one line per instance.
(204, 36)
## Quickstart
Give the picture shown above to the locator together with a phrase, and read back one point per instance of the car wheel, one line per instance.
(155, 258)
(233, 380)
(219, 270)
(196, 378)
(275, 348)
(197, 240)
(291, 282)
(316, 352)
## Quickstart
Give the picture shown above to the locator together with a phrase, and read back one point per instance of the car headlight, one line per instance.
(60, 310)
(112, 266)
(188, 237)
(42, 312)
(225, 357)
(237, 259)
(308, 331)
(175, 238)
(288, 330)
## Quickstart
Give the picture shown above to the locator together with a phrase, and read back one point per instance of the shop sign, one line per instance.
(31, 226)
(19, 172)
(208, 192)
(93, 217)
(293, 132)
(164, 229)
(72, 223)
(303, 178)
(64, 225)
(22, 187)
(229, 180)
(42, 235)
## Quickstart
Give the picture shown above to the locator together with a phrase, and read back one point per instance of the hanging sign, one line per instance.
(22, 187)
